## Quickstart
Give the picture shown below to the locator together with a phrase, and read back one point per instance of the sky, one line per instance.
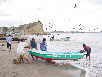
(61, 13)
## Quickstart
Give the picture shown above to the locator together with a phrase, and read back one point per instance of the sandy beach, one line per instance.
(8, 69)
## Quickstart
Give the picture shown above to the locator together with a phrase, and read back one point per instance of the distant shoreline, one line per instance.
(74, 32)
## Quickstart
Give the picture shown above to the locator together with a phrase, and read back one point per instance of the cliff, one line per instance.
(26, 29)
(31, 28)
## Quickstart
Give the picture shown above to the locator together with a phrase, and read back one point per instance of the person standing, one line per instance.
(88, 50)
(9, 42)
(52, 38)
(33, 44)
(43, 45)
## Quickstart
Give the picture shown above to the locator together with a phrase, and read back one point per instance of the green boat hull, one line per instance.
(64, 56)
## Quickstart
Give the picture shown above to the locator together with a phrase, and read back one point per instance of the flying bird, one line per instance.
(75, 5)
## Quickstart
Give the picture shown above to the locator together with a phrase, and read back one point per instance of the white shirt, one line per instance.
(9, 39)
(20, 48)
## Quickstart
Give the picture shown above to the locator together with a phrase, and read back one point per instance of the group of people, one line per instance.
(33, 44)
(22, 51)
(43, 44)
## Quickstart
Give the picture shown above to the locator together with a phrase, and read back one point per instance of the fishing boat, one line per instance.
(56, 55)
(61, 39)
(65, 38)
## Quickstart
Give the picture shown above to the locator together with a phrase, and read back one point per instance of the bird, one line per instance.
(75, 5)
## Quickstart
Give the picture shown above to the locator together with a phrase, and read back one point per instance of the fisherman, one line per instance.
(43, 45)
(33, 43)
(87, 49)
(9, 42)
(22, 53)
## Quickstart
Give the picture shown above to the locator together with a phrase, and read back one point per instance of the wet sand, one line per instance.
(8, 69)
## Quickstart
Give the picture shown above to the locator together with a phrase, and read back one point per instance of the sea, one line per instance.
(93, 67)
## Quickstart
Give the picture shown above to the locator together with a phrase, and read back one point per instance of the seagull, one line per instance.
(75, 6)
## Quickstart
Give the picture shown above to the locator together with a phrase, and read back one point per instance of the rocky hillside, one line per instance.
(31, 28)
(26, 29)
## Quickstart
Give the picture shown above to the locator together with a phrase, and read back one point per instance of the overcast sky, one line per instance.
(58, 12)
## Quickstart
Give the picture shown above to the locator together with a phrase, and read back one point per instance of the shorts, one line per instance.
(88, 54)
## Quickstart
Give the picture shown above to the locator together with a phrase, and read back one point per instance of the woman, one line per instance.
(43, 45)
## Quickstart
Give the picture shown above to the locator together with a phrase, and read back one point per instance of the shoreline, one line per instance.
(8, 69)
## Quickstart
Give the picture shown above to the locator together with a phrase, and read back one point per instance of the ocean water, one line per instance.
(94, 40)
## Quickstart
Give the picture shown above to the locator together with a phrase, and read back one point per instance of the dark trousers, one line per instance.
(9, 46)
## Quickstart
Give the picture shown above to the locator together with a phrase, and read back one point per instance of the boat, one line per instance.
(60, 39)
(56, 55)
(65, 39)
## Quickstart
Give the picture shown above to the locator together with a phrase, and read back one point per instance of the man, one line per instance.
(9, 42)
(21, 53)
(88, 50)
(43, 45)
(33, 43)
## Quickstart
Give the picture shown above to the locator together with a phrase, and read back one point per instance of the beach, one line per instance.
(8, 69)
(71, 69)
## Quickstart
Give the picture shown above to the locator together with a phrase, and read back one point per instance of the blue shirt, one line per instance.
(33, 44)
(43, 46)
